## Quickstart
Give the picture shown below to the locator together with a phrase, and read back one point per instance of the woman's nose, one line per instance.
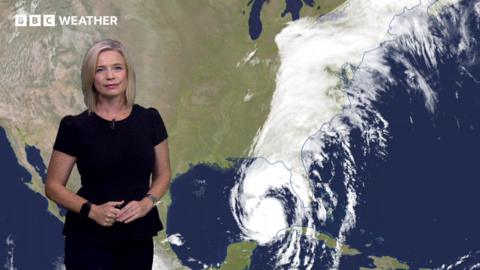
(110, 74)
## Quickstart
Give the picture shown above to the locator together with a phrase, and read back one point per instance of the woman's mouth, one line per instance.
(111, 86)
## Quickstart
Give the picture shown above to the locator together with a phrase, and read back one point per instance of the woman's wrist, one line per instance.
(93, 210)
(154, 199)
(148, 203)
(85, 209)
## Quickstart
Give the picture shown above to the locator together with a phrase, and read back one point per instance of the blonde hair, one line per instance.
(90, 94)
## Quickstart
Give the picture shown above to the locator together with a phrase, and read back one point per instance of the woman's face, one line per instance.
(110, 75)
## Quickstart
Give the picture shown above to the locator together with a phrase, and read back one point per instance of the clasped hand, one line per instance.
(108, 213)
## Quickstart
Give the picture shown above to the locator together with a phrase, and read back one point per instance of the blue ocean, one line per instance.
(32, 236)
(409, 151)
(201, 214)
(419, 200)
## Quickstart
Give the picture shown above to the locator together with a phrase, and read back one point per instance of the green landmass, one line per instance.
(331, 242)
(388, 263)
(238, 256)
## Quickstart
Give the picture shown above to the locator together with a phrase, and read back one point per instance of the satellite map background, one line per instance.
(304, 134)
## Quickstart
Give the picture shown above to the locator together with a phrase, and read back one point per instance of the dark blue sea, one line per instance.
(417, 190)
(200, 213)
(31, 237)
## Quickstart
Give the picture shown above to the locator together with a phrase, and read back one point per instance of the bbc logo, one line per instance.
(34, 20)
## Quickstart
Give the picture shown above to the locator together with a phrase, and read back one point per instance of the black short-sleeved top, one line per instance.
(115, 163)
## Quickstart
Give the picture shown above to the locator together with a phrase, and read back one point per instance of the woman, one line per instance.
(116, 145)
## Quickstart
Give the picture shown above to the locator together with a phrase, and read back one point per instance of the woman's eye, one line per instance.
(98, 70)
(118, 68)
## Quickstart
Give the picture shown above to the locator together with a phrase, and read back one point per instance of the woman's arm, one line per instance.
(160, 183)
(161, 172)
(58, 172)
